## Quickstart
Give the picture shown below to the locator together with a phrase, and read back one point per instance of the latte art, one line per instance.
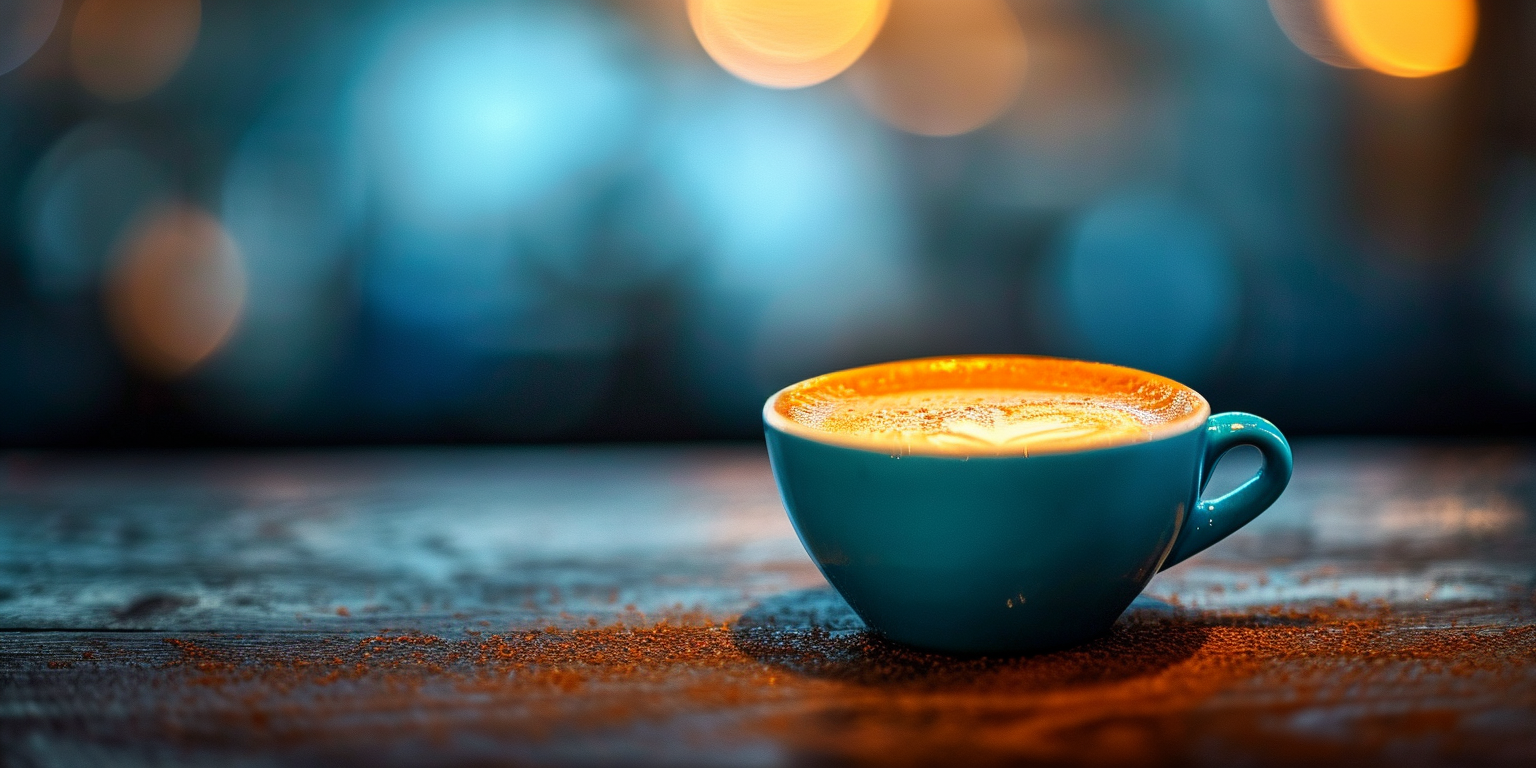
(980, 418)
(989, 406)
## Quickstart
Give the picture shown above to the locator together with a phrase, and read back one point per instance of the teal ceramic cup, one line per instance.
(1004, 552)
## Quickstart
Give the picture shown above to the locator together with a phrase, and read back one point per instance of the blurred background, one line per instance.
(250, 222)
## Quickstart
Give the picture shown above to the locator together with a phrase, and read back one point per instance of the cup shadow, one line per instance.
(813, 632)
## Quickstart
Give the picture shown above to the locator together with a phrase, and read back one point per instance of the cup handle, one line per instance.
(1214, 520)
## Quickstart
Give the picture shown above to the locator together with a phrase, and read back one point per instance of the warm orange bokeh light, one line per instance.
(1405, 38)
(124, 49)
(177, 290)
(942, 68)
(786, 43)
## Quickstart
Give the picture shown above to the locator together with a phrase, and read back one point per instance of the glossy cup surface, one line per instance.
(1011, 553)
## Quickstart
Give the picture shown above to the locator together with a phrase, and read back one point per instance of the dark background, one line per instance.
(561, 221)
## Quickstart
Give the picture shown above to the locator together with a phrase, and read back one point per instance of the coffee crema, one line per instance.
(987, 406)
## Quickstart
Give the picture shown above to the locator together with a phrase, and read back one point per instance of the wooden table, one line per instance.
(652, 606)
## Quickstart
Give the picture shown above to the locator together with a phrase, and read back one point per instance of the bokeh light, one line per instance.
(1404, 38)
(488, 130)
(293, 195)
(125, 49)
(1307, 25)
(293, 198)
(90, 185)
(941, 68)
(477, 112)
(528, 219)
(1145, 280)
(176, 289)
(803, 240)
(24, 26)
(1075, 125)
(786, 43)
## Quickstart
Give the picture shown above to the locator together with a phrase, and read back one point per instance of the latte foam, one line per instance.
(987, 406)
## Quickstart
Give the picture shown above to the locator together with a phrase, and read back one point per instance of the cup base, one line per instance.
(969, 611)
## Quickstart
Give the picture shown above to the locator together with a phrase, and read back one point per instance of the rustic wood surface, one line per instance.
(652, 606)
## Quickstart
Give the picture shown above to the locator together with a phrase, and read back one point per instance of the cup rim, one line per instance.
(1186, 423)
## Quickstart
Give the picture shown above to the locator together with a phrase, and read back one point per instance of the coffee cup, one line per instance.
(1006, 504)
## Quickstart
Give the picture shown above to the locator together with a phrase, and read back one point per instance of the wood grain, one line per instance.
(652, 606)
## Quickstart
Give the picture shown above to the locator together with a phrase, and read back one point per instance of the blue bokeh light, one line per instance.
(488, 131)
(293, 200)
(477, 110)
(1146, 280)
(517, 219)
(802, 232)
(82, 196)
